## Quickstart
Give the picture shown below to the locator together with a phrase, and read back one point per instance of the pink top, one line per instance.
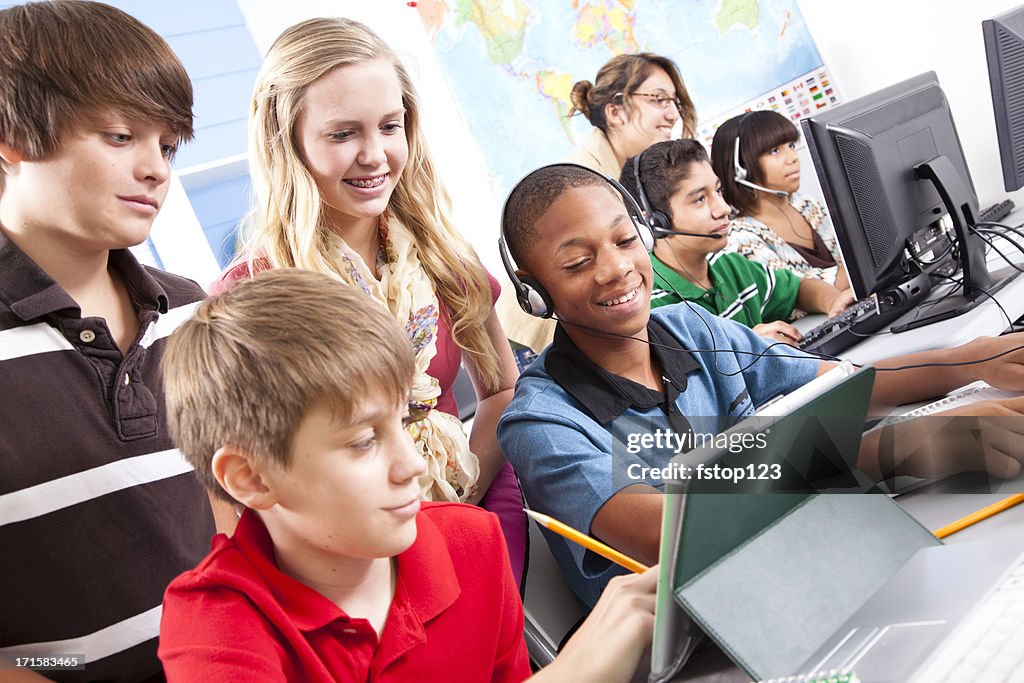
(445, 365)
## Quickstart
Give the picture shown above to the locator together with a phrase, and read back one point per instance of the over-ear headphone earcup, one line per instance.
(661, 226)
(646, 231)
(741, 171)
(533, 298)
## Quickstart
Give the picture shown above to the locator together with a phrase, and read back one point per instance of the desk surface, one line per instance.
(939, 504)
(983, 319)
(933, 508)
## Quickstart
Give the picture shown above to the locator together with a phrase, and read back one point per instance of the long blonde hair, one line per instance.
(287, 227)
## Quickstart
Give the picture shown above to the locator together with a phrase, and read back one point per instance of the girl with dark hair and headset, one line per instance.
(755, 156)
(682, 198)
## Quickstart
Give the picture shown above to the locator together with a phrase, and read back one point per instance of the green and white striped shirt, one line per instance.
(742, 290)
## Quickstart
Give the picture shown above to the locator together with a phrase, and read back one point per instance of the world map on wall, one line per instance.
(511, 64)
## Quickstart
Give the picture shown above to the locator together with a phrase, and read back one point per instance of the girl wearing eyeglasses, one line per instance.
(634, 102)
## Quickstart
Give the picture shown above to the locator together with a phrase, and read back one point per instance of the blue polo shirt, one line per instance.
(574, 432)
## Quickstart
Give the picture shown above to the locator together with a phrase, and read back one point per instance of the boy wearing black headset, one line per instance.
(682, 197)
(617, 370)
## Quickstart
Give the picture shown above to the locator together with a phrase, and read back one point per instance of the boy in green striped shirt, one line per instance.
(676, 185)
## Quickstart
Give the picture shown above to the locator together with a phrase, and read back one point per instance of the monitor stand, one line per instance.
(942, 306)
(979, 285)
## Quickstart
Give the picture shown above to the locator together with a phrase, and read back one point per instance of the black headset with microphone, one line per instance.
(660, 224)
(534, 299)
(741, 175)
(530, 294)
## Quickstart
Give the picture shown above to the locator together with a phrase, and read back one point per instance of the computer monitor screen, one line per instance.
(1004, 47)
(891, 167)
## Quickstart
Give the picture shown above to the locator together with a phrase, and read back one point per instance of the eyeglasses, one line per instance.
(660, 100)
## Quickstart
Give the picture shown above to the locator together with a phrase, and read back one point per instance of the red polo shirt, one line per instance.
(456, 613)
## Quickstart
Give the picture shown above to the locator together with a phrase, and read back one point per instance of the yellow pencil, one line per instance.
(605, 551)
(983, 513)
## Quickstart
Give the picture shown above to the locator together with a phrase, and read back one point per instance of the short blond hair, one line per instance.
(251, 362)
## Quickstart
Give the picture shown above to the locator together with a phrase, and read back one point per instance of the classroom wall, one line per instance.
(871, 44)
(867, 45)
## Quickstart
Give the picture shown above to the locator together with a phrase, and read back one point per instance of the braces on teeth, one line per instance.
(375, 182)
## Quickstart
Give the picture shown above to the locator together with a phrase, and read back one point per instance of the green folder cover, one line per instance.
(771, 569)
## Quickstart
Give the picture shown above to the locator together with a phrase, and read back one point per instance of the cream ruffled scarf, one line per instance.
(405, 288)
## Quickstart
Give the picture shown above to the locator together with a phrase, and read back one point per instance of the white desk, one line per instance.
(940, 504)
(934, 510)
(983, 319)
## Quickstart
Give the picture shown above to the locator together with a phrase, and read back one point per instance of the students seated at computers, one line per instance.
(754, 155)
(675, 186)
(346, 186)
(289, 395)
(634, 102)
(617, 370)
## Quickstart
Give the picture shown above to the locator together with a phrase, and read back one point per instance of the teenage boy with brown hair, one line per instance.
(289, 395)
(98, 512)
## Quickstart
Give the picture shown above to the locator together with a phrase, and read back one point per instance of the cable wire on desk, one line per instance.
(992, 224)
(990, 231)
(983, 291)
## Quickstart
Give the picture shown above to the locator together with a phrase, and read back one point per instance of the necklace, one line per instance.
(792, 228)
(690, 276)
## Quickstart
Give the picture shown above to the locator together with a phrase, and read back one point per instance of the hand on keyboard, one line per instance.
(836, 329)
(987, 436)
(1005, 369)
(778, 331)
(843, 300)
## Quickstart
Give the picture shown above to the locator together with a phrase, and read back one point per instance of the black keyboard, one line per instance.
(850, 327)
(996, 212)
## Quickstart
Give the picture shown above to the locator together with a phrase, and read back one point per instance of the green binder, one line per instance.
(736, 557)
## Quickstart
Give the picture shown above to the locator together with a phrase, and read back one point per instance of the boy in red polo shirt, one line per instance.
(288, 394)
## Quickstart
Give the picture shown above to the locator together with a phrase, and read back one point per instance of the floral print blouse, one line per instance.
(756, 241)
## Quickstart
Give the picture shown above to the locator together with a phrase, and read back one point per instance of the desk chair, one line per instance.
(504, 498)
(551, 608)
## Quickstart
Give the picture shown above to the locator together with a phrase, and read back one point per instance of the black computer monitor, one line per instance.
(1004, 46)
(891, 167)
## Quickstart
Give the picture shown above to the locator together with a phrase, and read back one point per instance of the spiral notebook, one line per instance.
(972, 393)
(816, 678)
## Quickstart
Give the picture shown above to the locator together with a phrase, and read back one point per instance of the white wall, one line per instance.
(178, 238)
(874, 43)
